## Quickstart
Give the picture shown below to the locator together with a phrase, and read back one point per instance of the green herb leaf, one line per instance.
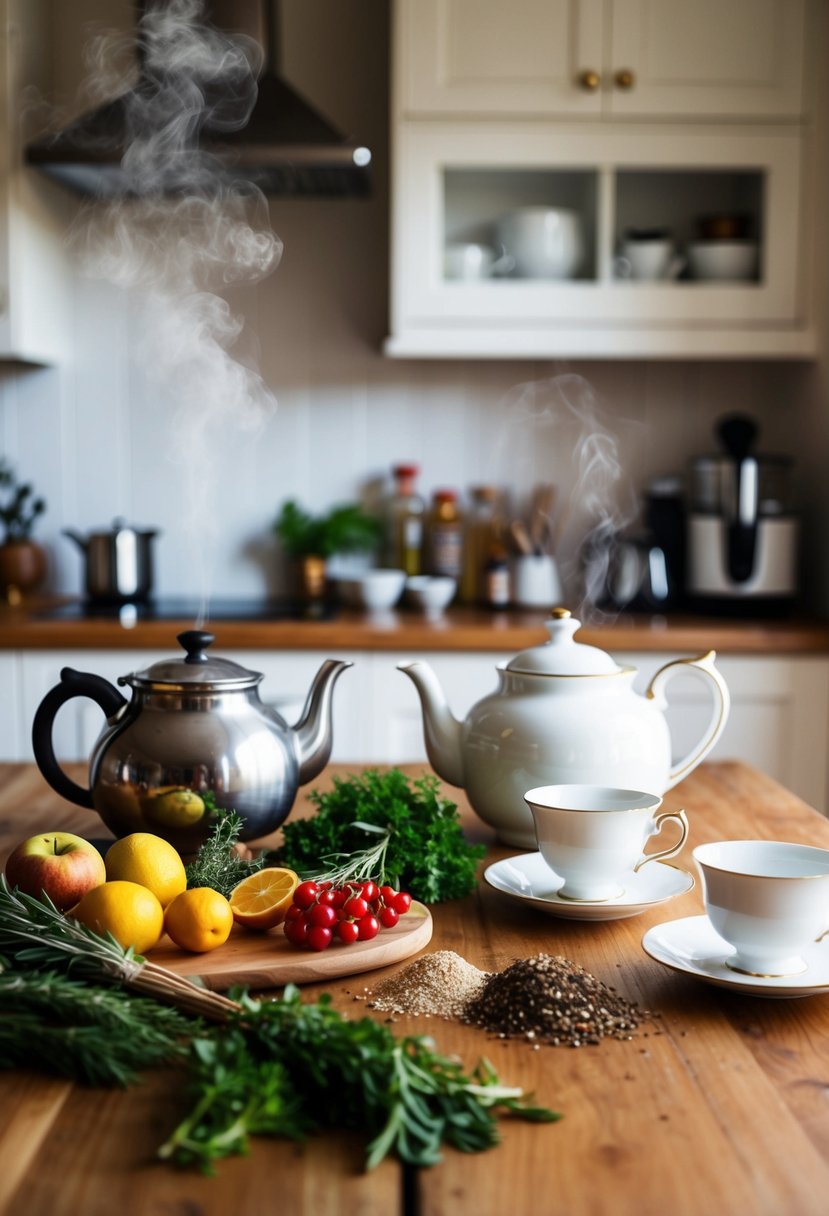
(217, 864)
(426, 852)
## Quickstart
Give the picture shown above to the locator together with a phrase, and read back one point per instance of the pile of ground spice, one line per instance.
(548, 999)
(440, 984)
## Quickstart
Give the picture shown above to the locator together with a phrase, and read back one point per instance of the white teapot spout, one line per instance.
(441, 729)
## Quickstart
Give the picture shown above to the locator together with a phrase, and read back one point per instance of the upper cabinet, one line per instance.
(603, 178)
(603, 58)
(34, 213)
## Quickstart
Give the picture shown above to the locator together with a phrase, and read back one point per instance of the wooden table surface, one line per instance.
(721, 1106)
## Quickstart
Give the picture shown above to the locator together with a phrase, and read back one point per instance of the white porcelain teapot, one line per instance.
(563, 712)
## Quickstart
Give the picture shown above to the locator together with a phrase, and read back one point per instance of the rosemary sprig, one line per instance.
(217, 864)
(97, 1035)
(341, 868)
(34, 934)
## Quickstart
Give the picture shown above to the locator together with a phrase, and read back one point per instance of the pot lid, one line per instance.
(196, 667)
(562, 655)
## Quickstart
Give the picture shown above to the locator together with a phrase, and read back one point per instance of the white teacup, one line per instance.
(469, 262)
(649, 261)
(594, 836)
(535, 581)
(767, 899)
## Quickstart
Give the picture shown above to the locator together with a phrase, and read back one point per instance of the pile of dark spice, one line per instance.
(548, 999)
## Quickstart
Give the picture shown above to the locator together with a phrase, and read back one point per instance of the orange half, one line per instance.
(261, 900)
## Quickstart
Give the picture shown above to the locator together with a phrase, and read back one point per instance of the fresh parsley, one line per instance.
(425, 853)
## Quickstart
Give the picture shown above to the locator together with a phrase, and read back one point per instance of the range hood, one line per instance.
(286, 147)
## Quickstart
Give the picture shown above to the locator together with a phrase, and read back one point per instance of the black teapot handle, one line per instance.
(72, 684)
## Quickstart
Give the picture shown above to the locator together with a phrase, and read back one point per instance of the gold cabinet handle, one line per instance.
(625, 79)
(589, 80)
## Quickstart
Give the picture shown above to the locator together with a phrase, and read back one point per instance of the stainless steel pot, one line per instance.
(119, 565)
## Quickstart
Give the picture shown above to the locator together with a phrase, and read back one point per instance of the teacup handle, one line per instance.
(682, 819)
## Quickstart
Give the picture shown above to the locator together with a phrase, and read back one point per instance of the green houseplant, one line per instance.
(22, 561)
(310, 540)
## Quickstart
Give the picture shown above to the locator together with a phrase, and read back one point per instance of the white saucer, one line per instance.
(693, 947)
(528, 878)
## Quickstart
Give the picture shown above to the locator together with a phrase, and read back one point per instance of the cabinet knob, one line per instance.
(625, 79)
(589, 80)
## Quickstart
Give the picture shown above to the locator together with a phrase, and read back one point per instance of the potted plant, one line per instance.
(22, 561)
(310, 540)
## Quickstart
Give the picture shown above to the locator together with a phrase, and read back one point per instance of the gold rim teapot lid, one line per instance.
(562, 655)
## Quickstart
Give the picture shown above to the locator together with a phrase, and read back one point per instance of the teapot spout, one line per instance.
(441, 730)
(313, 734)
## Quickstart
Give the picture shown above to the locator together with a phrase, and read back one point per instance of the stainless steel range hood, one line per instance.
(286, 147)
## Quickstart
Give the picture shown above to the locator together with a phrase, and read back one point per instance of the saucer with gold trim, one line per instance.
(530, 880)
(693, 947)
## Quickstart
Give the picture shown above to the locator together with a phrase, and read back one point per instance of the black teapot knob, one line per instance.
(195, 642)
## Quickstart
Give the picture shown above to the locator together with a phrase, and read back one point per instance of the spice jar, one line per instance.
(445, 535)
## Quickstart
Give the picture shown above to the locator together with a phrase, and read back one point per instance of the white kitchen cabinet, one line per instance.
(35, 282)
(779, 718)
(453, 181)
(602, 58)
(488, 117)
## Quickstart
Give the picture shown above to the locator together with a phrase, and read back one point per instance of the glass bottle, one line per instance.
(497, 589)
(405, 515)
(481, 523)
(445, 535)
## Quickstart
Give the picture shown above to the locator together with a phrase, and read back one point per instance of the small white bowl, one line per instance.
(723, 261)
(375, 590)
(431, 592)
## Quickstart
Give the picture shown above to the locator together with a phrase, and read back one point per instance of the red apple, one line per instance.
(62, 865)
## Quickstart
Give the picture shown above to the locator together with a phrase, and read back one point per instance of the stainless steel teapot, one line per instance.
(193, 726)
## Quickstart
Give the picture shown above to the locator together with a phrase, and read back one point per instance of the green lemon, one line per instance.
(174, 806)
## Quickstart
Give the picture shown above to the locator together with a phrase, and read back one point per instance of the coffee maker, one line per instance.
(742, 530)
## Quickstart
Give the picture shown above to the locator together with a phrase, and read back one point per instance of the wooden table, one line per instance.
(720, 1107)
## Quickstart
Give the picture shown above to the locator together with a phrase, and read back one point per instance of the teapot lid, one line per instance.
(196, 667)
(562, 656)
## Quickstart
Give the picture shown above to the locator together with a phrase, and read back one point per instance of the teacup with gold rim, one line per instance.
(767, 899)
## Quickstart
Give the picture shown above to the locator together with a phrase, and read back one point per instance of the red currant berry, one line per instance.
(401, 902)
(356, 906)
(387, 894)
(338, 897)
(347, 931)
(326, 897)
(319, 938)
(305, 894)
(388, 918)
(370, 891)
(322, 915)
(294, 913)
(367, 928)
(296, 932)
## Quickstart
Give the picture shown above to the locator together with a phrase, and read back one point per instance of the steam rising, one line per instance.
(596, 501)
(183, 232)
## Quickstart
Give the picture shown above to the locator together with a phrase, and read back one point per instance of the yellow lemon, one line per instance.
(149, 861)
(128, 911)
(199, 920)
(174, 806)
(261, 900)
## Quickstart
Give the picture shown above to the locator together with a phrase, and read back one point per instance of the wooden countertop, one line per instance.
(461, 629)
(719, 1107)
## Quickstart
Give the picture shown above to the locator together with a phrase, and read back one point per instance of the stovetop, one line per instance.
(170, 608)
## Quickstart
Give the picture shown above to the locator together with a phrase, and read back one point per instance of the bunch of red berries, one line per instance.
(322, 913)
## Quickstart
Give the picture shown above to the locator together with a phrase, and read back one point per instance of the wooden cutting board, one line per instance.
(268, 960)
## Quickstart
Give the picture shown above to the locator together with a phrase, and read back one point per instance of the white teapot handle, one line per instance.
(722, 703)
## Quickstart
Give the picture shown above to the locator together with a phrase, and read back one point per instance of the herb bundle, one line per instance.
(217, 863)
(34, 935)
(274, 1069)
(425, 851)
(93, 1034)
